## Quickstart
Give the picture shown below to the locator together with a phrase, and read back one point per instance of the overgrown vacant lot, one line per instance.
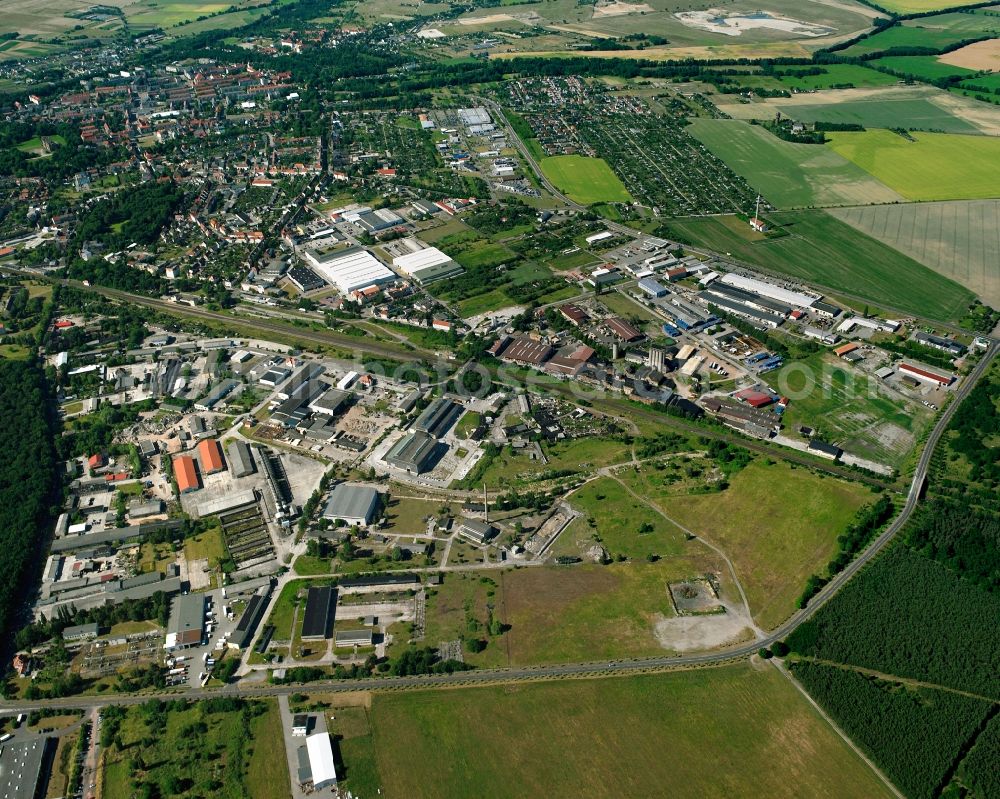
(731, 731)
(580, 613)
(789, 175)
(223, 747)
(931, 166)
(777, 523)
(586, 180)
(960, 240)
(827, 252)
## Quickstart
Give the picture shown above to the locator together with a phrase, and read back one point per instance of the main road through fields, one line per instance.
(568, 670)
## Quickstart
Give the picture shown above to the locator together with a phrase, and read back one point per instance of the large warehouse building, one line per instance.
(186, 474)
(321, 603)
(355, 505)
(438, 417)
(210, 456)
(414, 453)
(427, 265)
(186, 627)
(240, 459)
(351, 269)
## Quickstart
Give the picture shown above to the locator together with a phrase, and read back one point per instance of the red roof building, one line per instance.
(919, 372)
(754, 398)
(210, 456)
(186, 474)
(95, 461)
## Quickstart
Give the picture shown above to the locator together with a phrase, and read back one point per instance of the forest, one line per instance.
(27, 482)
(964, 539)
(131, 215)
(917, 735)
(911, 617)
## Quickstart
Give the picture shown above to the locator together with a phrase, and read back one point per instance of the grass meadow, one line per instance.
(775, 539)
(730, 731)
(585, 180)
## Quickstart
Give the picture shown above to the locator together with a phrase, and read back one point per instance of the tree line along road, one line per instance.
(563, 671)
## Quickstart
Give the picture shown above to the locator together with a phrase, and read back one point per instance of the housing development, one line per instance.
(429, 400)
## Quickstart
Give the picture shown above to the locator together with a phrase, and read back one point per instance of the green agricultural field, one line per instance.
(789, 175)
(960, 240)
(731, 731)
(917, 6)
(775, 538)
(886, 110)
(933, 166)
(824, 250)
(921, 67)
(934, 33)
(989, 83)
(838, 75)
(585, 180)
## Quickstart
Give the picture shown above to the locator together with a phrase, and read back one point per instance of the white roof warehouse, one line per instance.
(350, 269)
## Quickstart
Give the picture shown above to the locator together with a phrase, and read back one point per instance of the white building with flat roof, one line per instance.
(351, 270)
(324, 773)
(765, 289)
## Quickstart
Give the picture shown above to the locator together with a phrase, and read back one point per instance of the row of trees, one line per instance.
(28, 482)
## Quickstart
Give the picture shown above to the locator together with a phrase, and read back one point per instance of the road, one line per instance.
(568, 670)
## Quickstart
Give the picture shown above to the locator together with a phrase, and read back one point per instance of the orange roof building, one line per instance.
(186, 474)
(846, 348)
(210, 456)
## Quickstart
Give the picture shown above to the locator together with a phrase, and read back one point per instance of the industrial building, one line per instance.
(241, 462)
(80, 632)
(186, 474)
(438, 417)
(349, 269)
(623, 330)
(24, 767)
(352, 638)
(216, 395)
(427, 265)
(476, 531)
(186, 627)
(331, 402)
(354, 505)
(321, 604)
(948, 345)
(795, 299)
(414, 453)
(522, 350)
(768, 319)
(299, 381)
(246, 628)
(926, 375)
(825, 450)
(210, 456)
(316, 762)
(653, 287)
